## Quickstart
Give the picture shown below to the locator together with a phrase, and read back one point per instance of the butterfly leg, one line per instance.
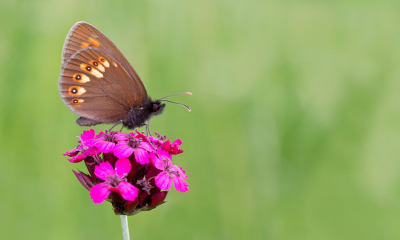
(148, 132)
(148, 128)
(120, 121)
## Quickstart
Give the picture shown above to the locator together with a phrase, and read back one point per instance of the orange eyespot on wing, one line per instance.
(76, 102)
(104, 61)
(80, 78)
(89, 69)
(97, 65)
(76, 90)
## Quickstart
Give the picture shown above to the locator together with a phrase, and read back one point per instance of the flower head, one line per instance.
(132, 171)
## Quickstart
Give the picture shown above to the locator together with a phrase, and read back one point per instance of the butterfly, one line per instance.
(98, 83)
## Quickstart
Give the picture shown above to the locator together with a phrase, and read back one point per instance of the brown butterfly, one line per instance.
(98, 83)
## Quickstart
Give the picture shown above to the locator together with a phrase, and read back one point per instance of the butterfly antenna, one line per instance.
(187, 93)
(187, 107)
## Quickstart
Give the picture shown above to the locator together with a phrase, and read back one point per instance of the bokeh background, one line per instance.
(293, 134)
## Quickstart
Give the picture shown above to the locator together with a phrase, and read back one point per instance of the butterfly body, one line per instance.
(98, 83)
(138, 115)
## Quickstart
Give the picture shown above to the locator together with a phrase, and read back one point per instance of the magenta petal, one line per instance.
(164, 155)
(142, 136)
(167, 145)
(99, 135)
(121, 137)
(103, 170)
(128, 191)
(180, 184)
(122, 150)
(174, 148)
(181, 172)
(153, 139)
(123, 167)
(177, 142)
(141, 156)
(88, 134)
(156, 161)
(71, 153)
(156, 142)
(100, 192)
(163, 181)
(91, 142)
(105, 146)
(92, 151)
(78, 158)
(146, 146)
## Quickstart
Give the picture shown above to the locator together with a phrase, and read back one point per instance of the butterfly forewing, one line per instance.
(98, 83)
(83, 35)
(95, 85)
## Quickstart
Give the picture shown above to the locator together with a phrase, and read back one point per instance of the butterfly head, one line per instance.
(157, 108)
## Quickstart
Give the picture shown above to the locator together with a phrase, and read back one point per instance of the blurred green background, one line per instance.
(293, 134)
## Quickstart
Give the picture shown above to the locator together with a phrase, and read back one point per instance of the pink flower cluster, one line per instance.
(132, 171)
